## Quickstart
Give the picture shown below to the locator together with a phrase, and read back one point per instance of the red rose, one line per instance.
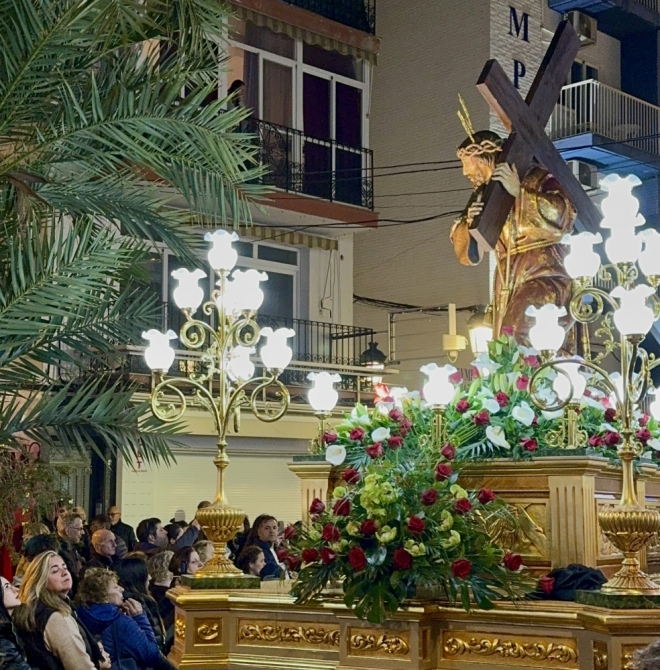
(529, 444)
(342, 507)
(416, 525)
(456, 377)
(395, 442)
(486, 496)
(293, 563)
(448, 451)
(482, 418)
(442, 472)
(429, 497)
(330, 532)
(532, 361)
(351, 476)
(317, 506)
(327, 555)
(546, 584)
(643, 435)
(402, 559)
(596, 441)
(502, 398)
(644, 421)
(357, 558)
(461, 568)
(368, 528)
(396, 414)
(507, 330)
(356, 434)
(612, 439)
(404, 426)
(462, 406)
(310, 555)
(462, 506)
(289, 532)
(522, 382)
(512, 561)
(375, 450)
(330, 437)
(610, 414)
(282, 553)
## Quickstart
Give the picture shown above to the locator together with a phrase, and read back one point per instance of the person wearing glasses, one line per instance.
(70, 533)
(121, 529)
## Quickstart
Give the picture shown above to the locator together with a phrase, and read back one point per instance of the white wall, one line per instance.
(258, 481)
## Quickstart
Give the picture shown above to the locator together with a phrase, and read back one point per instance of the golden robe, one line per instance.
(541, 216)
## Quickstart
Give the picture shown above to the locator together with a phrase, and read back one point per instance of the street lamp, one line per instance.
(323, 398)
(629, 526)
(225, 384)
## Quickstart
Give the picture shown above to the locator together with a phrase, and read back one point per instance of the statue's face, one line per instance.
(476, 170)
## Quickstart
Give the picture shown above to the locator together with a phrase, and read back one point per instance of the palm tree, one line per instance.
(106, 145)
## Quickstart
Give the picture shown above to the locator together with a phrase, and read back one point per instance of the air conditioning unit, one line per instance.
(585, 26)
(585, 173)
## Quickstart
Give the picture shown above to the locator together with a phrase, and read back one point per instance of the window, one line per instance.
(332, 61)
(582, 72)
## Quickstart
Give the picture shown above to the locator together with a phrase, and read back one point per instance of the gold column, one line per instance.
(317, 480)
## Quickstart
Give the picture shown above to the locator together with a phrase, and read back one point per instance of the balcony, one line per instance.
(618, 18)
(358, 14)
(322, 168)
(316, 346)
(600, 124)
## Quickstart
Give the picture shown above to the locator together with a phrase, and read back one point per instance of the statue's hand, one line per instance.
(508, 177)
(474, 210)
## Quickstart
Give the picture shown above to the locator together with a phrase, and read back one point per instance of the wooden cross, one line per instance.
(526, 121)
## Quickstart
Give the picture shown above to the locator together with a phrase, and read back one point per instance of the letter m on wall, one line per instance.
(518, 25)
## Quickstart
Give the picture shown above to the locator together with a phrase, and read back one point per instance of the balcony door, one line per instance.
(332, 122)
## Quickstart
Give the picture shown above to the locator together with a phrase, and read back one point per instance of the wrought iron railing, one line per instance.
(322, 168)
(592, 107)
(360, 14)
(314, 341)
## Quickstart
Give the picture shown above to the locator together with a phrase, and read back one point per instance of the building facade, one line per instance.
(606, 121)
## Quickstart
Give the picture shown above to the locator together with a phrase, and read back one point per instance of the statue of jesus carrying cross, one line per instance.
(525, 196)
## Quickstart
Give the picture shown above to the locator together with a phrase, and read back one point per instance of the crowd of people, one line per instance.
(93, 595)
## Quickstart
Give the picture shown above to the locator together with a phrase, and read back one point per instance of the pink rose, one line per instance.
(610, 414)
(330, 437)
(522, 382)
(429, 497)
(462, 506)
(529, 444)
(612, 439)
(644, 421)
(512, 561)
(442, 472)
(456, 377)
(507, 330)
(396, 414)
(350, 476)
(342, 507)
(416, 525)
(531, 361)
(596, 441)
(395, 442)
(486, 496)
(448, 451)
(643, 435)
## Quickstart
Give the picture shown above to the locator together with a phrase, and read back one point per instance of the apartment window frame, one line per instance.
(299, 70)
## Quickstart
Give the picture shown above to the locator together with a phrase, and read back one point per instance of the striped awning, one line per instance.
(299, 32)
(283, 236)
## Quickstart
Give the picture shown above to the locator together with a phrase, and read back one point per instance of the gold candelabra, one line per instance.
(225, 384)
(628, 525)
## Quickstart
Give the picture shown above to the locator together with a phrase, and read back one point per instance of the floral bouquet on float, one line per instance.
(399, 524)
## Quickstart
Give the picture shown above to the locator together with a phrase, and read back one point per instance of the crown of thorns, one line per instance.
(484, 147)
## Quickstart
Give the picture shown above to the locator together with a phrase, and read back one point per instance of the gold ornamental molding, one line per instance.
(180, 628)
(208, 631)
(600, 655)
(364, 642)
(518, 650)
(287, 634)
(628, 654)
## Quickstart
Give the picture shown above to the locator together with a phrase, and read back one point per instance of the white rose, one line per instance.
(335, 454)
(380, 434)
(523, 413)
(491, 405)
(496, 435)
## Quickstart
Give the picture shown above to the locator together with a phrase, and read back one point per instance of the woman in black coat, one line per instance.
(11, 651)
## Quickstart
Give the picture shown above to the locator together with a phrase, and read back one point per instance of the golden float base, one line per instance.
(266, 630)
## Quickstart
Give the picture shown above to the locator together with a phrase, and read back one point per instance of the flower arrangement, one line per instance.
(399, 522)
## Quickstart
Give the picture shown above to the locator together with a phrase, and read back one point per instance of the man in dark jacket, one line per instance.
(266, 538)
(104, 549)
(70, 531)
(121, 529)
(153, 537)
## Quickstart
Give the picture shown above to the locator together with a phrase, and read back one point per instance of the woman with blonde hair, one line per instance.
(47, 624)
